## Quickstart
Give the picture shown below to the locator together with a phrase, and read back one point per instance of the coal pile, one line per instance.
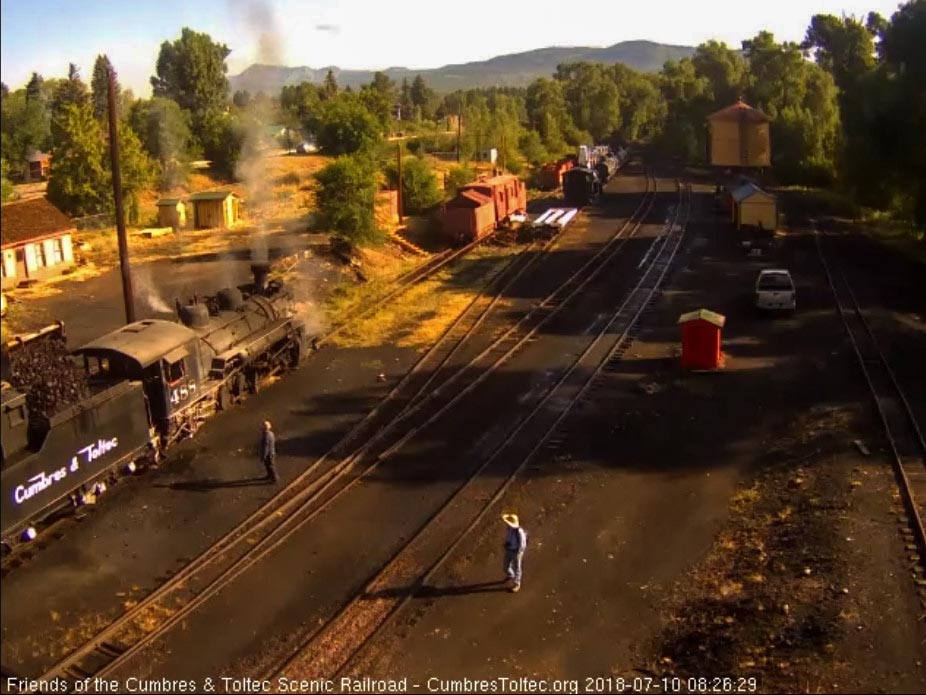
(44, 371)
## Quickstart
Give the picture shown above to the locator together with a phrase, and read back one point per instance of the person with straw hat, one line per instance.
(515, 545)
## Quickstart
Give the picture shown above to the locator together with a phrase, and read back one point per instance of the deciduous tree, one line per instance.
(344, 126)
(456, 178)
(300, 101)
(25, 128)
(222, 138)
(78, 180)
(191, 70)
(6, 188)
(345, 197)
(420, 191)
(164, 131)
(136, 169)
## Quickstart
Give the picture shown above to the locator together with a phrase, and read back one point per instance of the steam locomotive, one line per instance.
(150, 383)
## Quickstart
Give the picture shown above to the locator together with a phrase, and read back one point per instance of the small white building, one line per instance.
(37, 241)
(490, 156)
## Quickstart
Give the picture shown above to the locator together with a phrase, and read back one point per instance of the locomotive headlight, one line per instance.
(99, 488)
(130, 468)
(29, 534)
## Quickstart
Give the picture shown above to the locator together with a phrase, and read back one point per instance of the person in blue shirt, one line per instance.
(515, 545)
(268, 451)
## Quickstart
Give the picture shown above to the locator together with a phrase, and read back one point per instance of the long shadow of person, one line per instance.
(208, 484)
(429, 591)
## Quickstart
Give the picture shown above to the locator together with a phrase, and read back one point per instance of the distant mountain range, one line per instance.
(515, 70)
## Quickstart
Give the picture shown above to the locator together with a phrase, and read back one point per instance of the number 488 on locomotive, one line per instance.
(150, 383)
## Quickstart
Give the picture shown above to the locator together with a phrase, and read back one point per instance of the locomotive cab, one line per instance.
(160, 354)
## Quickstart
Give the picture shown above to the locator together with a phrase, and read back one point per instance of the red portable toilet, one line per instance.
(701, 339)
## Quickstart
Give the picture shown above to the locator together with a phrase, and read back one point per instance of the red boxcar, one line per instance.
(551, 175)
(469, 216)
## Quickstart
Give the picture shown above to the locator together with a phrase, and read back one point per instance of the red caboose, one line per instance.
(468, 216)
(507, 192)
(481, 206)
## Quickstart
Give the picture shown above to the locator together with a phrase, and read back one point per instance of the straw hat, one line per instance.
(511, 519)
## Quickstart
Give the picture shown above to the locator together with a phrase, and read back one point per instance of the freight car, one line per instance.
(581, 186)
(150, 383)
(606, 168)
(483, 205)
(551, 175)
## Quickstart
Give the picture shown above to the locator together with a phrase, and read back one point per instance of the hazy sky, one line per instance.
(45, 35)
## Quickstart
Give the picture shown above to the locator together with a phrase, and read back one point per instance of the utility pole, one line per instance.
(398, 161)
(128, 295)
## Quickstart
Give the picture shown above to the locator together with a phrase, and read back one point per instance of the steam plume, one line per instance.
(148, 293)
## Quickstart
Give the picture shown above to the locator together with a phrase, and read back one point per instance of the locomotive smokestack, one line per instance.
(260, 271)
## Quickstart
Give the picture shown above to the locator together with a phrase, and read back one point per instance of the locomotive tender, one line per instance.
(151, 383)
(581, 186)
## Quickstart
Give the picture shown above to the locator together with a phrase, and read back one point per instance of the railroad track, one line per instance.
(273, 523)
(329, 651)
(203, 574)
(903, 434)
(53, 527)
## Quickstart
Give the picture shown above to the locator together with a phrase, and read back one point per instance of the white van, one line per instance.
(775, 291)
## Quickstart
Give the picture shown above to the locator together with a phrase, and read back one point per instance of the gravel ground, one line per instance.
(706, 525)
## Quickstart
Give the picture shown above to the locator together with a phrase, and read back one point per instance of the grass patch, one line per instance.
(909, 242)
(418, 316)
(290, 178)
(800, 203)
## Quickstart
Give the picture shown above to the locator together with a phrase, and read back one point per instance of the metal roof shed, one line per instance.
(754, 207)
(171, 213)
(701, 331)
(214, 209)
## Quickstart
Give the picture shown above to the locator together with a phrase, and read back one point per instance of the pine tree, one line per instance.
(421, 96)
(70, 92)
(405, 99)
(331, 85)
(34, 88)
(99, 87)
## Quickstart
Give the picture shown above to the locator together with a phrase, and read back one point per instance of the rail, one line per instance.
(216, 566)
(903, 434)
(329, 651)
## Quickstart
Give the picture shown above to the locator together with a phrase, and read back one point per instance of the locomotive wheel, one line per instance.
(168, 433)
(253, 382)
(238, 385)
(292, 357)
(223, 398)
